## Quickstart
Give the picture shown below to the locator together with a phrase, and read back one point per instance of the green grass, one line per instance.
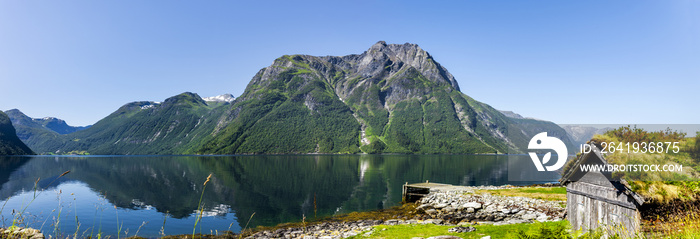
(549, 194)
(429, 230)
(303, 71)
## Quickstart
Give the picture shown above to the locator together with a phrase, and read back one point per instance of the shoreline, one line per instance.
(468, 206)
(458, 207)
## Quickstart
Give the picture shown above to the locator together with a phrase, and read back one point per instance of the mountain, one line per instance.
(59, 126)
(580, 134)
(511, 114)
(54, 124)
(532, 126)
(175, 126)
(390, 99)
(41, 133)
(10, 144)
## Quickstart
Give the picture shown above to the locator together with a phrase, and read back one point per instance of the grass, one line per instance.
(200, 207)
(545, 193)
(18, 219)
(688, 227)
(665, 192)
(683, 228)
(678, 225)
(503, 231)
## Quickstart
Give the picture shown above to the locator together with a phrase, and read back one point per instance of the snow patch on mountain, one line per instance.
(220, 98)
(149, 105)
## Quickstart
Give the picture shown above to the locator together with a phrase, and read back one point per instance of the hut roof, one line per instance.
(594, 157)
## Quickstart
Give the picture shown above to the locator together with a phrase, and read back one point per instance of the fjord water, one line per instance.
(139, 193)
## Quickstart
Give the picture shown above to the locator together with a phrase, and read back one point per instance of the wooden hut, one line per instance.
(595, 200)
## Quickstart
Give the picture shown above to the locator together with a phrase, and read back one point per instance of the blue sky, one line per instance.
(587, 62)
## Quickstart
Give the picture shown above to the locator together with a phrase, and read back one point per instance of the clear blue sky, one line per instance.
(564, 61)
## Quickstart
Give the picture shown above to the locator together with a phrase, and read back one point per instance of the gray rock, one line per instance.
(474, 205)
(490, 208)
(529, 216)
(349, 234)
(391, 222)
(423, 206)
(461, 229)
(433, 221)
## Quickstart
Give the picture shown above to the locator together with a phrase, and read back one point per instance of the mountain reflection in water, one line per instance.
(277, 188)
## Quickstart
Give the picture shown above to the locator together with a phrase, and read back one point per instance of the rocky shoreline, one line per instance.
(466, 206)
(459, 207)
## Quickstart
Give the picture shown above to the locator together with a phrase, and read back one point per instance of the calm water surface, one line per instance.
(160, 194)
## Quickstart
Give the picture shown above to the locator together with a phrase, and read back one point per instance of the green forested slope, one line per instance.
(10, 144)
(176, 126)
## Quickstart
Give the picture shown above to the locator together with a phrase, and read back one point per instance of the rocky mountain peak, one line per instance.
(378, 45)
(381, 57)
(395, 68)
(407, 53)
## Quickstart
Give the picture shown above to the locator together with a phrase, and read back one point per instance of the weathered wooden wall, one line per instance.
(590, 206)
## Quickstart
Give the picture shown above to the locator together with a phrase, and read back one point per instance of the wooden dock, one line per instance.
(416, 191)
